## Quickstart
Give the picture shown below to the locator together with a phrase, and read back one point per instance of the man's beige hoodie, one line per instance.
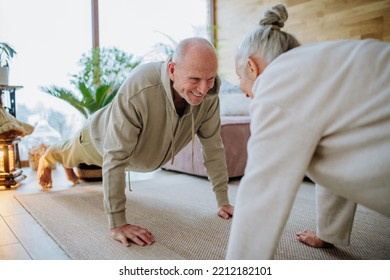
(140, 131)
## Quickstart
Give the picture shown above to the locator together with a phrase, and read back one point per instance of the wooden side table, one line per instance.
(8, 101)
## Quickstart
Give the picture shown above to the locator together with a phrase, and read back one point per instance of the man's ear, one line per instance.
(171, 69)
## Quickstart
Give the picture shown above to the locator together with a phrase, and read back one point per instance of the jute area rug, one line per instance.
(180, 211)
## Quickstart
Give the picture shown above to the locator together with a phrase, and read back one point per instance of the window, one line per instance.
(138, 26)
(50, 37)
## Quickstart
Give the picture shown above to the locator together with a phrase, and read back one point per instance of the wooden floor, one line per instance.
(21, 237)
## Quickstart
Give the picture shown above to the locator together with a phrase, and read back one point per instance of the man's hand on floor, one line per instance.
(139, 235)
(226, 211)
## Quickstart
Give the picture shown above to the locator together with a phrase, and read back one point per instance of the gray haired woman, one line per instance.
(320, 110)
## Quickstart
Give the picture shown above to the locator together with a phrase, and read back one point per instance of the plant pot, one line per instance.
(89, 173)
(4, 75)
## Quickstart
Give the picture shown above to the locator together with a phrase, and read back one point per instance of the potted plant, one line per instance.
(6, 54)
(102, 73)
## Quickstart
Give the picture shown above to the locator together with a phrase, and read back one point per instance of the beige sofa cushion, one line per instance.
(234, 104)
(235, 133)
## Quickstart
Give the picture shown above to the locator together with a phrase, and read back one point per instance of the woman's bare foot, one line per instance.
(310, 238)
(71, 176)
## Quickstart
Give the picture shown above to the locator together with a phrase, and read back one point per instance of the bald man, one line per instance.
(155, 114)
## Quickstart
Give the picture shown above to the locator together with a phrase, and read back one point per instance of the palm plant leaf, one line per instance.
(68, 96)
(109, 97)
(87, 99)
(6, 53)
(102, 73)
(102, 93)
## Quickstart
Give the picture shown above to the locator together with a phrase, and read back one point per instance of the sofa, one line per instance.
(235, 132)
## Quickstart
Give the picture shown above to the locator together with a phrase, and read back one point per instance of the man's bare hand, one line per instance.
(226, 211)
(139, 235)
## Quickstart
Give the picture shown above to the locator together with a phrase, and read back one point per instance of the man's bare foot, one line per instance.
(71, 176)
(310, 238)
(44, 176)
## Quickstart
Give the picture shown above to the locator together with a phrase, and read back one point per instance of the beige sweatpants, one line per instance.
(76, 150)
(335, 216)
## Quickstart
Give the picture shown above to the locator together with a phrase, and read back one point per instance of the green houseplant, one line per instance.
(102, 73)
(103, 70)
(7, 52)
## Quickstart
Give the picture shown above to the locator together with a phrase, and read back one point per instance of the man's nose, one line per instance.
(203, 87)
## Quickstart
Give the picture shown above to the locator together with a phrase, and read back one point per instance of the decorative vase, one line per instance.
(4, 75)
(43, 136)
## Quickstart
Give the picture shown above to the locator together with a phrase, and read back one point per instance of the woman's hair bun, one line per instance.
(275, 16)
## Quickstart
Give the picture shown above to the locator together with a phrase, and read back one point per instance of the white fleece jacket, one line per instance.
(321, 109)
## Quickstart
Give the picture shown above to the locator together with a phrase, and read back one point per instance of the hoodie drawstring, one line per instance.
(192, 140)
(128, 179)
(172, 138)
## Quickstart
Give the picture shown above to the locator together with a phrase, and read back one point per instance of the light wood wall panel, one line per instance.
(309, 20)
